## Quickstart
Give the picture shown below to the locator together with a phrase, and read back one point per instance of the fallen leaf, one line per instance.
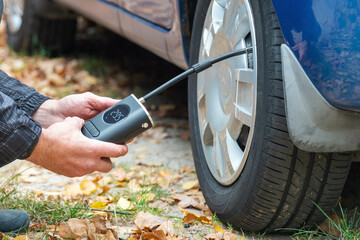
(110, 236)
(65, 231)
(124, 204)
(4, 237)
(157, 235)
(217, 228)
(185, 136)
(147, 197)
(142, 149)
(91, 230)
(38, 226)
(190, 184)
(119, 174)
(52, 228)
(154, 141)
(73, 228)
(187, 169)
(104, 189)
(100, 224)
(121, 184)
(159, 204)
(99, 205)
(328, 226)
(21, 237)
(134, 186)
(191, 217)
(146, 220)
(141, 156)
(223, 236)
(150, 164)
(185, 201)
(157, 133)
(88, 187)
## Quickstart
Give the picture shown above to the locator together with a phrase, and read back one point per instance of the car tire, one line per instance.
(28, 30)
(276, 185)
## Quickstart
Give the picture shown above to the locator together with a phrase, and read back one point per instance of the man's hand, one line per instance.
(84, 106)
(63, 149)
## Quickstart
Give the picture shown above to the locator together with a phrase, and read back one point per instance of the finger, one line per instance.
(102, 103)
(106, 149)
(104, 165)
(76, 122)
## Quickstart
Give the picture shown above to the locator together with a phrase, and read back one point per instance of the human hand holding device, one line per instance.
(62, 148)
(84, 106)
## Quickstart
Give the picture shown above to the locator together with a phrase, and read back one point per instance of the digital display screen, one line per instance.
(116, 114)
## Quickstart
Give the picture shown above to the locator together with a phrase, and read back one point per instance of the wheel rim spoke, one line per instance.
(244, 95)
(219, 153)
(242, 26)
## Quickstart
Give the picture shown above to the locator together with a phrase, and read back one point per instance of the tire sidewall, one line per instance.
(230, 201)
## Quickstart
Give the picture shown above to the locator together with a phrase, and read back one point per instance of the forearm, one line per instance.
(25, 97)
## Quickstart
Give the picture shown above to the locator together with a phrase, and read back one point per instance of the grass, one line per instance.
(50, 211)
(343, 226)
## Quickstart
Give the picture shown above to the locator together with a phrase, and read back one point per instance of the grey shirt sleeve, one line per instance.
(19, 132)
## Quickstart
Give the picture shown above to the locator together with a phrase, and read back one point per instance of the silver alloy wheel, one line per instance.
(14, 10)
(226, 93)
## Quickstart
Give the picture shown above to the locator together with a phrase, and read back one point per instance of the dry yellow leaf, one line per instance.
(120, 184)
(141, 156)
(163, 183)
(99, 205)
(164, 173)
(104, 189)
(217, 228)
(148, 197)
(52, 228)
(134, 186)
(189, 185)
(142, 149)
(124, 204)
(88, 187)
(73, 190)
(154, 141)
(21, 237)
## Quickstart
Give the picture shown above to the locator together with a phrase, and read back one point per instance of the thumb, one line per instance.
(76, 122)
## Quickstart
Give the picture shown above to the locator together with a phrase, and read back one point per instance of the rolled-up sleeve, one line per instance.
(26, 97)
(19, 133)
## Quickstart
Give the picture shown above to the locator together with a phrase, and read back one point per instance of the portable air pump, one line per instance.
(129, 118)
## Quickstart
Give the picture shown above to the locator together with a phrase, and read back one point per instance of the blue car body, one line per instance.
(325, 37)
